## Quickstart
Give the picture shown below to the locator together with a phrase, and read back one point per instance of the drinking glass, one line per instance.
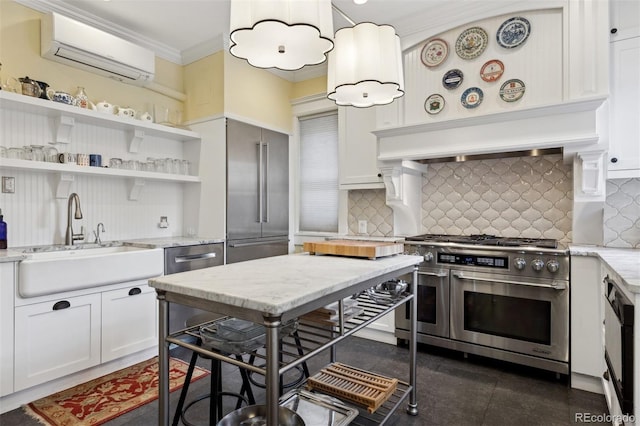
(38, 152)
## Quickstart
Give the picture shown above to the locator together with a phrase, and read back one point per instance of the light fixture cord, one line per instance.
(349, 20)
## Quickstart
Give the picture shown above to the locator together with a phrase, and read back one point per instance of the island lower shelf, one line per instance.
(308, 340)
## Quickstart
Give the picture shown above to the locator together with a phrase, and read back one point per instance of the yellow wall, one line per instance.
(313, 86)
(20, 57)
(204, 87)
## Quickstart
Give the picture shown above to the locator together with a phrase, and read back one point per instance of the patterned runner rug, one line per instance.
(107, 397)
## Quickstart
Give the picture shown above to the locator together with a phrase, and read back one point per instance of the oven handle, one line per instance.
(556, 285)
(435, 274)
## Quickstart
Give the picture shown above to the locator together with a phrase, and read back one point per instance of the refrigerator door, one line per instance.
(243, 172)
(241, 250)
(275, 208)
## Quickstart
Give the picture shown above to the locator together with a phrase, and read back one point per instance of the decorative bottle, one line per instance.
(3, 232)
(82, 100)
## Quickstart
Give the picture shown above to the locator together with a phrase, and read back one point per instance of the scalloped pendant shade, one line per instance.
(283, 34)
(365, 66)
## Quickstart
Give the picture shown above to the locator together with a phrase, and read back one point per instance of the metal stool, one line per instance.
(215, 393)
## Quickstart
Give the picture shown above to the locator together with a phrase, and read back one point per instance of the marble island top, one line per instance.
(624, 262)
(279, 284)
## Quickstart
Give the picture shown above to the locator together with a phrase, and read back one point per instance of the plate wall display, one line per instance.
(452, 79)
(513, 32)
(434, 104)
(471, 43)
(472, 97)
(492, 70)
(512, 90)
(434, 52)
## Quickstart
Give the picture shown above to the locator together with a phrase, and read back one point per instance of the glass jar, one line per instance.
(3, 152)
(37, 151)
(16, 153)
(115, 163)
(27, 153)
(51, 154)
(186, 167)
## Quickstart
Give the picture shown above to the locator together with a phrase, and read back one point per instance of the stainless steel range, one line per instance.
(505, 298)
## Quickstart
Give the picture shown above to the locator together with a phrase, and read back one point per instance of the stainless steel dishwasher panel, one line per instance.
(189, 258)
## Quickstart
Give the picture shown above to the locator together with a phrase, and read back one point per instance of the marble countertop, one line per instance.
(171, 242)
(623, 262)
(11, 256)
(276, 285)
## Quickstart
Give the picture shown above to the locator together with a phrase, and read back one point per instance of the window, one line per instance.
(319, 192)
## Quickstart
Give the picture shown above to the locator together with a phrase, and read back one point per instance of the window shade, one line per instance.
(319, 173)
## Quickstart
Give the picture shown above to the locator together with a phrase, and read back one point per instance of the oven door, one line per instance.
(433, 304)
(512, 313)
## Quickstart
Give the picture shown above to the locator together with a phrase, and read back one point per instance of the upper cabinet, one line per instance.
(29, 121)
(358, 149)
(624, 143)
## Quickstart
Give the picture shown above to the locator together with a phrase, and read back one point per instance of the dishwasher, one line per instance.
(189, 258)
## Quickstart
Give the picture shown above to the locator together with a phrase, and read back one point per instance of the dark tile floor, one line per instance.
(452, 390)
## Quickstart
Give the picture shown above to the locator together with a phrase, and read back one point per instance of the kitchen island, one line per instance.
(273, 291)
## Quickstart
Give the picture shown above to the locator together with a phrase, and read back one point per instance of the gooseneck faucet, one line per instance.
(70, 236)
(97, 233)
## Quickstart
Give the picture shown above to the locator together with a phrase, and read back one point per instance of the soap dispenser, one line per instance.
(3, 232)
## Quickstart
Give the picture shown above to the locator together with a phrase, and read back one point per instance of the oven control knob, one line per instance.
(537, 264)
(428, 256)
(553, 266)
(519, 263)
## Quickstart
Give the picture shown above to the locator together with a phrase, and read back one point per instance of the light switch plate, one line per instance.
(8, 184)
(362, 227)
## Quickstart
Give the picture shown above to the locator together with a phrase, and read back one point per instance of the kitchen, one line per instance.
(400, 202)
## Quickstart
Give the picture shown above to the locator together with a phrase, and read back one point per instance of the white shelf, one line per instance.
(17, 102)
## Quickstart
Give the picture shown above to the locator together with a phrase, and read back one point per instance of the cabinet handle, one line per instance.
(605, 375)
(614, 30)
(134, 291)
(63, 304)
(614, 160)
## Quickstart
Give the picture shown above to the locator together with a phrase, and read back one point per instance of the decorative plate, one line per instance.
(513, 32)
(512, 90)
(434, 52)
(471, 97)
(434, 104)
(471, 43)
(452, 79)
(492, 70)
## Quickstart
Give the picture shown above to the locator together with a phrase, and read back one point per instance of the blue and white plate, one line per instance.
(472, 97)
(513, 32)
(471, 43)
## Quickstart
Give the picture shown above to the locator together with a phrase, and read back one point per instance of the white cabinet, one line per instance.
(587, 350)
(624, 19)
(358, 149)
(129, 320)
(56, 338)
(381, 330)
(7, 285)
(624, 142)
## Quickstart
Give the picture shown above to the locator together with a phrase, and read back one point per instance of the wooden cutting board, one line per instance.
(354, 248)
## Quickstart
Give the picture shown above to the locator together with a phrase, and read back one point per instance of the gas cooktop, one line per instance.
(486, 240)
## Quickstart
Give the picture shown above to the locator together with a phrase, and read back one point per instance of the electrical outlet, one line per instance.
(362, 227)
(163, 222)
(8, 184)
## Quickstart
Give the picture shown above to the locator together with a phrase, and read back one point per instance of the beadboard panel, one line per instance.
(36, 217)
(543, 83)
(622, 213)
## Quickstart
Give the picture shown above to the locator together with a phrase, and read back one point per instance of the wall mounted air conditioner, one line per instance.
(82, 46)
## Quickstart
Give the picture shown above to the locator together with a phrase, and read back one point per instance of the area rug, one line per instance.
(110, 396)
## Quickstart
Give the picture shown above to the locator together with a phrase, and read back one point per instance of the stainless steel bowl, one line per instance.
(256, 415)
(388, 291)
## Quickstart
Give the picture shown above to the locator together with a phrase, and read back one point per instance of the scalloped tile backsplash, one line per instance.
(622, 213)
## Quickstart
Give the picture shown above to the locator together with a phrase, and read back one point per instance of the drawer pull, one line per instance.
(134, 291)
(63, 304)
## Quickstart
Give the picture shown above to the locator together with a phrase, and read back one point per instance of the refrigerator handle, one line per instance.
(260, 179)
(266, 183)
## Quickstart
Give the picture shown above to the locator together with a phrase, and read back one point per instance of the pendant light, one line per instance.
(283, 34)
(365, 66)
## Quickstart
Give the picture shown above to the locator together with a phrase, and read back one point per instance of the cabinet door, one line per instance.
(358, 149)
(624, 19)
(56, 338)
(7, 286)
(624, 144)
(128, 321)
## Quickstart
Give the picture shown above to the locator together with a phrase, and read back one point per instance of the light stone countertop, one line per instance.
(624, 262)
(11, 256)
(171, 242)
(276, 285)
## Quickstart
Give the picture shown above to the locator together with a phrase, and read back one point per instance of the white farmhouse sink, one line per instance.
(57, 271)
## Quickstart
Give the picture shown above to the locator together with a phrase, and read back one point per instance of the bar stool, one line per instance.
(215, 391)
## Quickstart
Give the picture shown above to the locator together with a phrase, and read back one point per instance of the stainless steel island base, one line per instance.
(212, 290)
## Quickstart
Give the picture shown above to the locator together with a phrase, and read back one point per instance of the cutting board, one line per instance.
(354, 248)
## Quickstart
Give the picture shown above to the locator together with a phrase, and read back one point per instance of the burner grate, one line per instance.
(486, 240)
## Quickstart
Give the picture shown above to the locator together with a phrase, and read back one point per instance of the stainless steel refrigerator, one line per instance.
(257, 192)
